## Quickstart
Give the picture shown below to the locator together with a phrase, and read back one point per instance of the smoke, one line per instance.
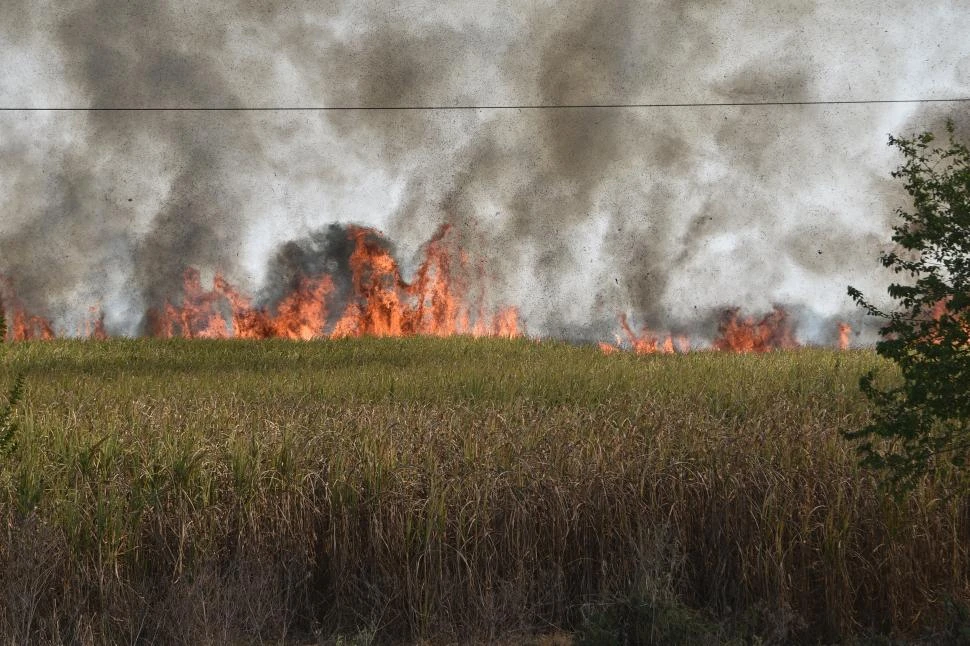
(137, 55)
(324, 251)
(581, 213)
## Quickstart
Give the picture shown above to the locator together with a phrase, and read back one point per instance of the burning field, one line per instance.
(440, 301)
(579, 371)
(363, 293)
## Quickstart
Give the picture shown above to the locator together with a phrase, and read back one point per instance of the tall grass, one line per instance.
(214, 492)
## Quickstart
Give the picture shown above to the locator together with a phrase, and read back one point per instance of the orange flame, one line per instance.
(301, 314)
(648, 343)
(735, 334)
(844, 331)
(93, 327)
(381, 303)
(771, 332)
(21, 325)
(28, 327)
(446, 298)
(198, 317)
(607, 348)
(939, 310)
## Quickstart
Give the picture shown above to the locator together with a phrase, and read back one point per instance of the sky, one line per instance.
(665, 214)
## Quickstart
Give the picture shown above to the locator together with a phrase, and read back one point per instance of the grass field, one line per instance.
(450, 490)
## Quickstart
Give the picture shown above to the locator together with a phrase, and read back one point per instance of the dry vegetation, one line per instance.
(451, 490)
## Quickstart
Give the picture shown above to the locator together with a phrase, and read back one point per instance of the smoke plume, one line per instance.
(582, 213)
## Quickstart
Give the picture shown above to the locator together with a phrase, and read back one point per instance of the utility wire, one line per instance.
(526, 106)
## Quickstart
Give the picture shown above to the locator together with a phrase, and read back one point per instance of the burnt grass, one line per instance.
(457, 490)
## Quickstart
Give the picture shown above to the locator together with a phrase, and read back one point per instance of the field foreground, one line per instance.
(450, 490)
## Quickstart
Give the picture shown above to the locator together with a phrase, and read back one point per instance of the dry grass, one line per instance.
(450, 490)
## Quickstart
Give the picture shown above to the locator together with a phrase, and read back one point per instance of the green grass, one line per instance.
(452, 490)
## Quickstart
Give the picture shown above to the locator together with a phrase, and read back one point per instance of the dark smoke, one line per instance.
(325, 251)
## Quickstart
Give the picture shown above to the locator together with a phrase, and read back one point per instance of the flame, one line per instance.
(21, 325)
(93, 327)
(446, 297)
(437, 303)
(301, 314)
(198, 316)
(771, 332)
(380, 303)
(939, 310)
(506, 323)
(649, 343)
(27, 327)
(607, 348)
(844, 331)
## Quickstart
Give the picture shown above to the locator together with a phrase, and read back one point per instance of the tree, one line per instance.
(923, 422)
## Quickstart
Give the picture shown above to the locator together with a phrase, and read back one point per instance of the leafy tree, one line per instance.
(924, 421)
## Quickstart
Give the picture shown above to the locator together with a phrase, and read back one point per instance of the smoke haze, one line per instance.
(580, 214)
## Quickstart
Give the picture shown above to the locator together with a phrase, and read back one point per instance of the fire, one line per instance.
(93, 327)
(21, 325)
(437, 303)
(844, 331)
(446, 297)
(607, 348)
(774, 331)
(648, 343)
(198, 317)
(771, 332)
(940, 309)
(26, 327)
(380, 302)
(505, 324)
(301, 314)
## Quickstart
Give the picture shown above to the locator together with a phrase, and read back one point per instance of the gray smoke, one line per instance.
(665, 214)
(135, 55)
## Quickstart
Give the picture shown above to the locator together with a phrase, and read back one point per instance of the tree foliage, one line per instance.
(923, 422)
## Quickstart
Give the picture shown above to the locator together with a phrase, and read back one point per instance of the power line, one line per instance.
(525, 106)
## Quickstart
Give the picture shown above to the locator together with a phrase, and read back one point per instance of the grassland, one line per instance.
(456, 490)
